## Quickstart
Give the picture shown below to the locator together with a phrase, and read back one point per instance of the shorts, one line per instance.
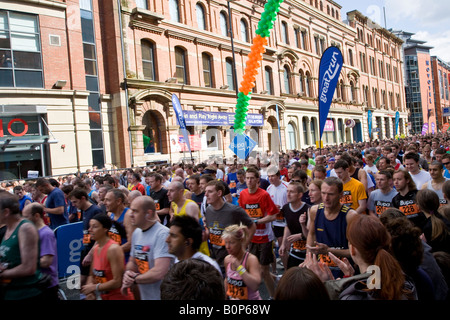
(278, 231)
(263, 251)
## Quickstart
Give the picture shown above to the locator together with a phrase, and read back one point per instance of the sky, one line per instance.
(428, 19)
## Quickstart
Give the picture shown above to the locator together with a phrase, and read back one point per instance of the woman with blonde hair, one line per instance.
(243, 271)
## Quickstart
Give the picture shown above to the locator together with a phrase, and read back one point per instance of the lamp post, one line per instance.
(230, 30)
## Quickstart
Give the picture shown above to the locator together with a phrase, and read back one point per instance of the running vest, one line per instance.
(18, 288)
(439, 192)
(117, 231)
(102, 272)
(331, 232)
(22, 202)
(236, 287)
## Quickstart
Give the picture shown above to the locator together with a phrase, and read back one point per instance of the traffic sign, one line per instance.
(242, 145)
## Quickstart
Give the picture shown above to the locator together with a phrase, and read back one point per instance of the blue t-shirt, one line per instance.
(56, 199)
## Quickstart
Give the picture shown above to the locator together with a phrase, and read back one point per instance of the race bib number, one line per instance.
(116, 237)
(347, 198)
(237, 290)
(299, 245)
(86, 237)
(141, 254)
(409, 209)
(216, 240)
(254, 211)
(325, 258)
(381, 207)
(99, 276)
(232, 184)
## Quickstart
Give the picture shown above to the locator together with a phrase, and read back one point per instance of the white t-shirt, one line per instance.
(146, 247)
(372, 169)
(420, 178)
(201, 256)
(279, 197)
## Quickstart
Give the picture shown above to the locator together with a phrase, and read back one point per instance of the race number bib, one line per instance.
(347, 198)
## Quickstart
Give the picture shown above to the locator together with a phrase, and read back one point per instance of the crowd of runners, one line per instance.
(358, 221)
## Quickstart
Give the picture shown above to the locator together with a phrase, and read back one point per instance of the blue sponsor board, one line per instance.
(242, 145)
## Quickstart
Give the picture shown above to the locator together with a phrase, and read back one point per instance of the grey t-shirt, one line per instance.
(146, 247)
(378, 201)
(217, 221)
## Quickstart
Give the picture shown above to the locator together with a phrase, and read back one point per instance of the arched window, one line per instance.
(148, 60)
(308, 87)
(269, 80)
(230, 74)
(302, 83)
(342, 89)
(352, 92)
(350, 57)
(244, 30)
(291, 141)
(200, 11)
(224, 24)
(174, 10)
(313, 130)
(305, 130)
(181, 65)
(207, 70)
(284, 32)
(287, 80)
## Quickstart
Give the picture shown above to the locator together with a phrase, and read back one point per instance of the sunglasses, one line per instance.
(445, 163)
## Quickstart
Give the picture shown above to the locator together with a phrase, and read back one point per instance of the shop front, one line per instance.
(24, 140)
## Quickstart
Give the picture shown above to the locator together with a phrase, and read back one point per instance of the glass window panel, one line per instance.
(86, 5)
(200, 16)
(180, 72)
(32, 79)
(90, 68)
(147, 51)
(142, 4)
(89, 51)
(4, 40)
(174, 10)
(98, 158)
(94, 102)
(96, 139)
(6, 78)
(91, 83)
(3, 21)
(223, 24)
(22, 23)
(87, 26)
(148, 70)
(230, 74)
(244, 31)
(95, 121)
(27, 60)
(5, 59)
(25, 42)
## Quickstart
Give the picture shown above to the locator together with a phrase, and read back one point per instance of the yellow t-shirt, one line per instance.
(353, 192)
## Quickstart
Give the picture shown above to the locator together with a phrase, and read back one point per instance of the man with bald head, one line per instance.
(180, 205)
(150, 259)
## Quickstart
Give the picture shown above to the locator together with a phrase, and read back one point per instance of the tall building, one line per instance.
(419, 85)
(440, 71)
(88, 83)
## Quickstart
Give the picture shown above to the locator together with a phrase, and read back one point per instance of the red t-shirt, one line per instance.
(258, 205)
(139, 187)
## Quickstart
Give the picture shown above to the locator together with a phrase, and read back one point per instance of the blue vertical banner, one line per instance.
(397, 120)
(329, 71)
(369, 122)
(180, 119)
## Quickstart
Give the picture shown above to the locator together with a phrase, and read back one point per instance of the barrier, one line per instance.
(69, 242)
